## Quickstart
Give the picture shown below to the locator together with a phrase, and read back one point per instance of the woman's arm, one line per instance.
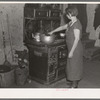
(59, 29)
(77, 36)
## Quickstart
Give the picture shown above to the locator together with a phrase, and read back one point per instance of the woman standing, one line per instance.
(74, 68)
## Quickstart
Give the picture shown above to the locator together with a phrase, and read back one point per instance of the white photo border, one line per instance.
(61, 93)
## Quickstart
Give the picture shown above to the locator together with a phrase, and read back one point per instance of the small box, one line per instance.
(41, 13)
(54, 13)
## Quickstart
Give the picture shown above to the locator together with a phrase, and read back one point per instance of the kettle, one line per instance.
(36, 36)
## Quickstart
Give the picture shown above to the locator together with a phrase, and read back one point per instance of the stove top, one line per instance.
(35, 43)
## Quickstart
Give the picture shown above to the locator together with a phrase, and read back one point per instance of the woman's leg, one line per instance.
(75, 84)
(69, 83)
(72, 84)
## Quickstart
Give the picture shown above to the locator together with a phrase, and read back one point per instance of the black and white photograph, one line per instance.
(50, 45)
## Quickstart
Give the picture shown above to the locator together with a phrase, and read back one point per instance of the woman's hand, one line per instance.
(50, 33)
(62, 34)
(70, 55)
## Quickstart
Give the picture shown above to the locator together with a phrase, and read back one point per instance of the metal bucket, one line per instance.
(7, 77)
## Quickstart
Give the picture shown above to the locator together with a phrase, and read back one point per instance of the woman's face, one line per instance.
(69, 16)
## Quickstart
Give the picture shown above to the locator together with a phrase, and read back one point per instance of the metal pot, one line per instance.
(47, 39)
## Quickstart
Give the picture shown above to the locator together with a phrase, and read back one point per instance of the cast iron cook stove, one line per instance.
(47, 62)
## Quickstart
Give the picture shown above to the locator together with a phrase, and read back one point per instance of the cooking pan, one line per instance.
(47, 39)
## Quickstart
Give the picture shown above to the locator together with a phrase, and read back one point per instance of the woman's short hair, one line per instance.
(72, 10)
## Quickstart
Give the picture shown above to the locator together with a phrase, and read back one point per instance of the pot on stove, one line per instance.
(47, 39)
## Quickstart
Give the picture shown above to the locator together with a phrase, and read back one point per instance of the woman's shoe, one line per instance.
(69, 83)
(74, 84)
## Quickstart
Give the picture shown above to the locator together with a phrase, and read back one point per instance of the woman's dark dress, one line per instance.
(74, 68)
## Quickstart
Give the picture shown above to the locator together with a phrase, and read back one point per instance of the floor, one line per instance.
(91, 78)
